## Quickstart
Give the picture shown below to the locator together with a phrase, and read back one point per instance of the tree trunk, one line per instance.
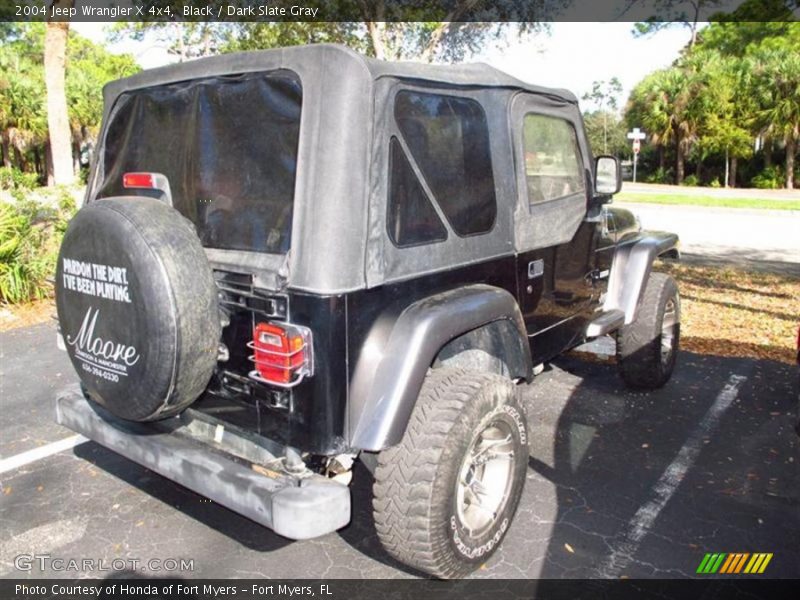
(20, 159)
(37, 161)
(76, 158)
(767, 148)
(55, 49)
(791, 150)
(680, 161)
(48, 164)
(734, 164)
(180, 33)
(727, 166)
(436, 38)
(376, 35)
(6, 150)
(661, 158)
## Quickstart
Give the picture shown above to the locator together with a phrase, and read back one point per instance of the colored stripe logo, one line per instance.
(734, 563)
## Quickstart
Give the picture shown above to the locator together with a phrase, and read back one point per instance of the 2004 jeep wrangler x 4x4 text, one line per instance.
(292, 259)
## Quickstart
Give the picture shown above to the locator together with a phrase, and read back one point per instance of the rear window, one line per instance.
(228, 146)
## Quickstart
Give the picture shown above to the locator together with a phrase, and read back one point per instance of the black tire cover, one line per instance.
(137, 307)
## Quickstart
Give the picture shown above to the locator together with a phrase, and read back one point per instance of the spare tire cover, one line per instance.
(137, 307)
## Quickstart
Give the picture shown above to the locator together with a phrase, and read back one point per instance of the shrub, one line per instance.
(660, 175)
(771, 178)
(691, 180)
(714, 183)
(30, 235)
(15, 180)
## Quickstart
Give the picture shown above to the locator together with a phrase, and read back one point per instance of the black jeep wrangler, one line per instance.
(292, 259)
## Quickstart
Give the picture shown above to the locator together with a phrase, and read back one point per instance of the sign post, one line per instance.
(636, 135)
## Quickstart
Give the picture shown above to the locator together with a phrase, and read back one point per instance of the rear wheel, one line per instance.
(647, 348)
(445, 496)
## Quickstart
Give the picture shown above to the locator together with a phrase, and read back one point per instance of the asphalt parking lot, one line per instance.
(620, 484)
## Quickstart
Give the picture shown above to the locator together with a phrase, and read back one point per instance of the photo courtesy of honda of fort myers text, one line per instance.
(346, 299)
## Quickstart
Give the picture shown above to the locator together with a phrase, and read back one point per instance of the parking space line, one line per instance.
(25, 458)
(665, 487)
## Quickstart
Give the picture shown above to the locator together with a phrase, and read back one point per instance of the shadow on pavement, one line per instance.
(628, 485)
(213, 515)
(749, 259)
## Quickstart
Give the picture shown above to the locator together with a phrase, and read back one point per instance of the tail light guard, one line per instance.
(282, 354)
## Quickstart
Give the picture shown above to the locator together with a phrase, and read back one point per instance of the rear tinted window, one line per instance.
(449, 140)
(412, 220)
(228, 146)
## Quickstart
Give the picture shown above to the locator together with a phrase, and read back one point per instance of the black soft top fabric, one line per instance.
(338, 231)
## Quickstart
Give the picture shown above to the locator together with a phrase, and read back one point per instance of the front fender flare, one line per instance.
(397, 354)
(630, 269)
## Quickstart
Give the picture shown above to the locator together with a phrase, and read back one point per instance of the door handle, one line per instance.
(535, 268)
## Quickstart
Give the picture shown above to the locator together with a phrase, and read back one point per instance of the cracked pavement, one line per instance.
(596, 453)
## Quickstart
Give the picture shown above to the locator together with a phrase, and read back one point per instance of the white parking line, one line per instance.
(25, 458)
(638, 527)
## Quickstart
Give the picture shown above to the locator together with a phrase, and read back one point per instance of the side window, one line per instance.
(553, 167)
(449, 140)
(411, 220)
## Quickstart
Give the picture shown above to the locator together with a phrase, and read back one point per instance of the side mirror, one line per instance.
(607, 175)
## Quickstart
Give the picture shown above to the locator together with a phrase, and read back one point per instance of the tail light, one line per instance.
(148, 181)
(282, 354)
(139, 180)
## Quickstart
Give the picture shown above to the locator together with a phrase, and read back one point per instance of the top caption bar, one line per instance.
(109, 11)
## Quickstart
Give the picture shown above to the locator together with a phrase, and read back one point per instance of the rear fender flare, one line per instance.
(399, 351)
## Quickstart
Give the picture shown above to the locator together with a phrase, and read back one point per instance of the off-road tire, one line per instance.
(639, 344)
(415, 490)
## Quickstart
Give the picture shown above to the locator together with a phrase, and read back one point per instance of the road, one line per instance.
(751, 238)
(619, 484)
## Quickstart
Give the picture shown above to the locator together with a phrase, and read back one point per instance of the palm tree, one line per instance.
(777, 77)
(668, 114)
(648, 108)
(22, 118)
(725, 124)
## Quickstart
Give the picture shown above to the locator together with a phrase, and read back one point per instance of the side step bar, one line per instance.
(605, 323)
(219, 463)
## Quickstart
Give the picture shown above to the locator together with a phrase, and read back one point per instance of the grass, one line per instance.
(757, 203)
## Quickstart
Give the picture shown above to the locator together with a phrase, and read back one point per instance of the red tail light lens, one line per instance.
(139, 180)
(282, 353)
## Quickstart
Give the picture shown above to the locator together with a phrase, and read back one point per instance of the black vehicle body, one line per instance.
(544, 277)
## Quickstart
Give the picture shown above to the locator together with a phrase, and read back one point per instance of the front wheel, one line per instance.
(445, 496)
(647, 348)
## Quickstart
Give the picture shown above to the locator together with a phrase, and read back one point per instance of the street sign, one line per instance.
(637, 135)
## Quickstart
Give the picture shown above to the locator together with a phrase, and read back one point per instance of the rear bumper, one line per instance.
(219, 463)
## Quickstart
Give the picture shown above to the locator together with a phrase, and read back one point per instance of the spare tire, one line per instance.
(137, 307)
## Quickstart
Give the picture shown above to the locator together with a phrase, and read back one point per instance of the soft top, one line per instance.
(340, 184)
(336, 58)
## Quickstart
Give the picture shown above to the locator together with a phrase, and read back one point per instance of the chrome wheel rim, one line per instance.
(668, 330)
(485, 478)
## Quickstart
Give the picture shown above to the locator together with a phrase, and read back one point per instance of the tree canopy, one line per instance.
(736, 90)
(23, 114)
